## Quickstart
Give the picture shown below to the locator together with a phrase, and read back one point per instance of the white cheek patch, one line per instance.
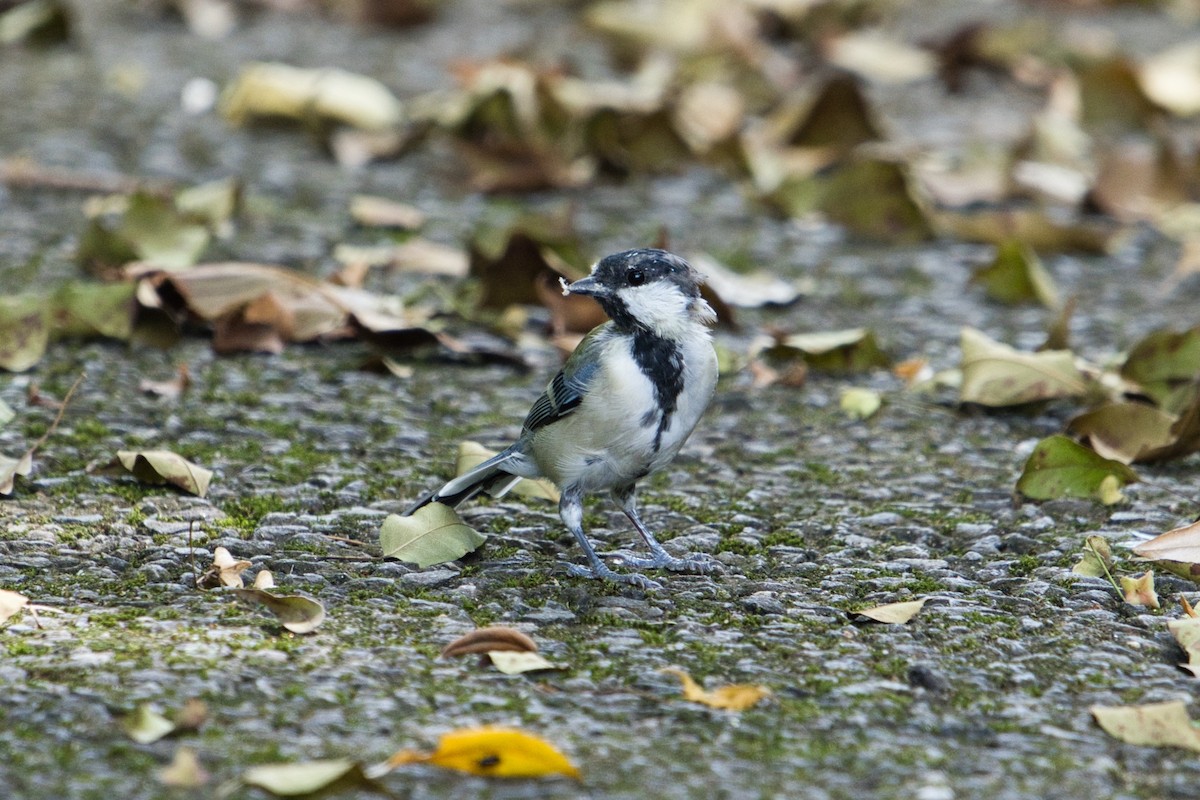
(659, 305)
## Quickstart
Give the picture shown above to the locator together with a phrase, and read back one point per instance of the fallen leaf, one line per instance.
(1156, 724)
(493, 752)
(879, 58)
(1017, 275)
(184, 771)
(1187, 632)
(142, 227)
(513, 663)
(145, 725)
(852, 350)
(1171, 78)
(894, 613)
(1126, 432)
(1139, 591)
(1061, 467)
(192, 715)
(472, 454)
(295, 613)
(874, 197)
(380, 212)
(1033, 226)
(1177, 551)
(1097, 558)
(860, 403)
(24, 331)
(22, 465)
(490, 639)
(732, 697)
(6, 413)
(11, 603)
(225, 571)
(171, 388)
(306, 777)
(264, 580)
(279, 91)
(1165, 364)
(163, 466)
(434, 534)
(746, 290)
(994, 374)
(36, 22)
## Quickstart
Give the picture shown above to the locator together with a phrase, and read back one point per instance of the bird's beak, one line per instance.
(586, 286)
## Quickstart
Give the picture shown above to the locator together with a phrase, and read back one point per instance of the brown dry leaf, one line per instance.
(165, 467)
(1131, 432)
(11, 603)
(192, 716)
(1156, 724)
(1139, 591)
(732, 697)
(492, 752)
(1187, 632)
(295, 613)
(1141, 180)
(835, 118)
(184, 771)
(1111, 98)
(1033, 226)
(509, 270)
(575, 313)
(894, 613)
(489, 639)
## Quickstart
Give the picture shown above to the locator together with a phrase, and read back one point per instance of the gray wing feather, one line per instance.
(566, 390)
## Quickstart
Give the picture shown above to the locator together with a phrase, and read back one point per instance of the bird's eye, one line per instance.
(636, 277)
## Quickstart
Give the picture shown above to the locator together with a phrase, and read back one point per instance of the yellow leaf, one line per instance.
(1140, 591)
(732, 697)
(894, 613)
(493, 752)
(184, 771)
(514, 663)
(1159, 724)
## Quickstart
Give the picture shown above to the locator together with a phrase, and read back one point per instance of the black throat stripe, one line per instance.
(662, 362)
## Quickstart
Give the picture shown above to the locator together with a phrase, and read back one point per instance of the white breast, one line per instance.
(610, 439)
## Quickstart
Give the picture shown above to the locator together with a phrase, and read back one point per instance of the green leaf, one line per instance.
(160, 235)
(873, 197)
(89, 309)
(1061, 467)
(434, 534)
(994, 374)
(1017, 275)
(24, 331)
(163, 466)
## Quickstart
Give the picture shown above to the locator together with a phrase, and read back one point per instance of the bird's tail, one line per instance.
(491, 476)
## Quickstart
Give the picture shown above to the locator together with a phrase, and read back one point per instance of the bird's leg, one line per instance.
(695, 562)
(570, 508)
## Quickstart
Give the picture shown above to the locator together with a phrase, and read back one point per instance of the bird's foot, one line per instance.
(697, 563)
(601, 572)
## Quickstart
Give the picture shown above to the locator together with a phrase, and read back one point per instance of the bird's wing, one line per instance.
(566, 390)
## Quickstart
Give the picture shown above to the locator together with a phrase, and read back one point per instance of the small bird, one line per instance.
(620, 408)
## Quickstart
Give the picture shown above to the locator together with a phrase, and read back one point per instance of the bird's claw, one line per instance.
(601, 572)
(696, 563)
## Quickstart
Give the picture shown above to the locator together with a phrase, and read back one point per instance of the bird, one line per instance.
(620, 409)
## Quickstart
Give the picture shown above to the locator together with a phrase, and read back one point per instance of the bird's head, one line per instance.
(651, 289)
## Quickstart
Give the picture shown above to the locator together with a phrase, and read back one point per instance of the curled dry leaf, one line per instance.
(1177, 551)
(306, 777)
(1187, 632)
(493, 752)
(225, 571)
(732, 697)
(1156, 724)
(852, 350)
(11, 604)
(489, 639)
(264, 580)
(894, 613)
(433, 534)
(472, 454)
(163, 466)
(295, 613)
